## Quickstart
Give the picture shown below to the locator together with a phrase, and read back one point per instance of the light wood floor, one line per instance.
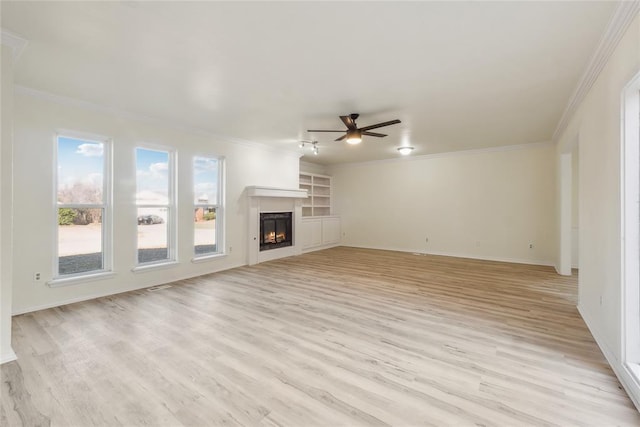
(338, 337)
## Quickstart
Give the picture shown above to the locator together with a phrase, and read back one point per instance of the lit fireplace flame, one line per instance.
(272, 237)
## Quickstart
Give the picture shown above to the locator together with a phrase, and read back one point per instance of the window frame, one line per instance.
(172, 229)
(630, 224)
(220, 211)
(106, 206)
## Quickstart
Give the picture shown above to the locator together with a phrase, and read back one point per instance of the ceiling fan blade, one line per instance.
(379, 125)
(316, 130)
(379, 135)
(348, 122)
(342, 137)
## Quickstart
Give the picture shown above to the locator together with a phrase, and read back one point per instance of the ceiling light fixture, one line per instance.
(301, 145)
(354, 136)
(314, 148)
(405, 150)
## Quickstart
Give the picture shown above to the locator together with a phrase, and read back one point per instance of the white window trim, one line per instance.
(630, 238)
(156, 265)
(208, 257)
(107, 204)
(80, 279)
(220, 212)
(172, 229)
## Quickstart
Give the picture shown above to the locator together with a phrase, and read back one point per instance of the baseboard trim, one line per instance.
(319, 248)
(626, 378)
(10, 356)
(31, 309)
(458, 255)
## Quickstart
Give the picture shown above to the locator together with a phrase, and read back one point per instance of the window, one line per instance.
(155, 206)
(207, 186)
(82, 214)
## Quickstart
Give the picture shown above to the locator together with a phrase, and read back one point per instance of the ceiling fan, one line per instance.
(353, 134)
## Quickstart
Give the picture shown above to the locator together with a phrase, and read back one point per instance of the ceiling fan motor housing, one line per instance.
(353, 134)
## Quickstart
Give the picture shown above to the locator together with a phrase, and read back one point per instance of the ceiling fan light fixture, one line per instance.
(405, 151)
(354, 137)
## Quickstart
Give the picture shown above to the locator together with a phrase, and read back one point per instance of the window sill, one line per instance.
(155, 266)
(76, 280)
(205, 258)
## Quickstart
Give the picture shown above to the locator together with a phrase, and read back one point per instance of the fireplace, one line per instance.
(275, 230)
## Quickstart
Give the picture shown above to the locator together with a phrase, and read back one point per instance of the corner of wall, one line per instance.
(6, 201)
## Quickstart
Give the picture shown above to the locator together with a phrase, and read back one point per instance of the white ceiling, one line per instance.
(460, 75)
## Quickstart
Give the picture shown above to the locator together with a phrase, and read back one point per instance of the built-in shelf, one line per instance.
(319, 189)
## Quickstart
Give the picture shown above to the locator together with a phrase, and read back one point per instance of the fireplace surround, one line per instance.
(269, 200)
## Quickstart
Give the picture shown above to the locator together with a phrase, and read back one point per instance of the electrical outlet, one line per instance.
(230, 248)
(36, 277)
(426, 239)
(530, 245)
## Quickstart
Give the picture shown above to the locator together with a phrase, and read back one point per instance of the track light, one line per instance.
(314, 148)
(405, 151)
(301, 145)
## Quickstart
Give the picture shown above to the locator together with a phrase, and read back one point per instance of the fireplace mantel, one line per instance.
(270, 199)
(255, 191)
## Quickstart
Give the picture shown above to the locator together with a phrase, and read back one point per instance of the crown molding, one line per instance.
(117, 112)
(622, 17)
(16, 43)
(474, 151)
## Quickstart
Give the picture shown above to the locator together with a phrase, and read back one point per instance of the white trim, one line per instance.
(9, 356)
(117, 112)
(205, 258)
(473, 151)
(171, 206)
(255, 191)
(630, 236)
(15, 43)
(620, 20)
(106, 206)
(31, 309)
(150, 266)
(220, 220)
(85, 136)
(545, 263)
(575, 246)
(565, 216)
(320, 247)
(628, 381)
(79, 279)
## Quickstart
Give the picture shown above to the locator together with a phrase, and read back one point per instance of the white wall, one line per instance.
(313, 168)
(6, 353)
(487, 204)
(598, 123)
(36, 121)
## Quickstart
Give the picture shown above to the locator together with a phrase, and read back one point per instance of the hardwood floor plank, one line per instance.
(343, 336)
